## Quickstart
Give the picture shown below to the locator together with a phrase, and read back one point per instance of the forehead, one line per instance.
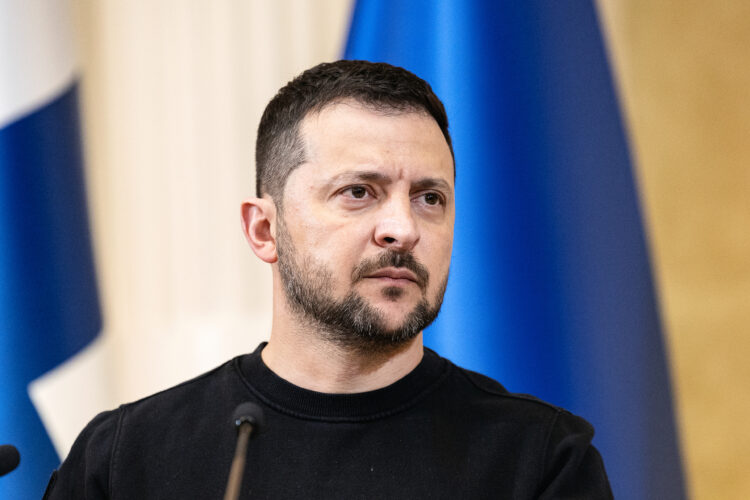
(348, 135)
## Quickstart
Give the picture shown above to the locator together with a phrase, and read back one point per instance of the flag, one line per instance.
(550, 289)
(49, 309)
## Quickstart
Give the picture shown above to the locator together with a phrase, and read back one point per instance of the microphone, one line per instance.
(9, 458)
(248, 418)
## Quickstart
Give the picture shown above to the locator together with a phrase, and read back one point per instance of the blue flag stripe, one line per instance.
(49, 308)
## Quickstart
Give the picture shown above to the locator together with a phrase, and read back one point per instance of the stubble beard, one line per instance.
(352, 322)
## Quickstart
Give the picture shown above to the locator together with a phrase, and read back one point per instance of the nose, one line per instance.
(396, 228)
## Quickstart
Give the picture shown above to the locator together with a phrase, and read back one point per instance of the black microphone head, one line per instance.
(9, 458)
(249, 413)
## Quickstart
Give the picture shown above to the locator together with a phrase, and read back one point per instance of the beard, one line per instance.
(352, 322)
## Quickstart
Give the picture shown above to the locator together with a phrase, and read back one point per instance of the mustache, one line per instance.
(391, 258)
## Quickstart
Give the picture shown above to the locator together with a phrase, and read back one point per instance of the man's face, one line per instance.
(365, 238)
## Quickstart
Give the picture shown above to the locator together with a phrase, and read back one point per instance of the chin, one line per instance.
(395, 310)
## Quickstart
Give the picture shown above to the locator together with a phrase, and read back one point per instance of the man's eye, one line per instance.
(358, 191)
(432, 198)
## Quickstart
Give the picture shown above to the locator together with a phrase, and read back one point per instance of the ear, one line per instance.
(258, 215)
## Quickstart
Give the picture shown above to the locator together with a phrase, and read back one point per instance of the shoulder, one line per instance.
(201, 407)
(555, 441)
(484, 403)
(85, 471)
(113, 436)
(197, 393)
(478, 390)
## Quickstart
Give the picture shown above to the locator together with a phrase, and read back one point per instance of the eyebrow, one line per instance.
(432, 183)
(365, 176)
(380, 178)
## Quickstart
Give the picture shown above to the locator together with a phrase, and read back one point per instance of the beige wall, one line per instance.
(684, 71)
(172, 93)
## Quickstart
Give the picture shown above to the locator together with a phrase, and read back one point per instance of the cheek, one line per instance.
(338, 245)
(437, 257)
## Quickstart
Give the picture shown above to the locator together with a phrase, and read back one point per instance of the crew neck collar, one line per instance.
(303, 403)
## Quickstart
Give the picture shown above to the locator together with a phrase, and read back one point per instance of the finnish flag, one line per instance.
(49, 307)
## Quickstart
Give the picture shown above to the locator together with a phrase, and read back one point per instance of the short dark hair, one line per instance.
(279, 148)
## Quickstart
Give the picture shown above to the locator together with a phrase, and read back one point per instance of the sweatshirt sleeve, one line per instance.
(85, 472)
(573, 467)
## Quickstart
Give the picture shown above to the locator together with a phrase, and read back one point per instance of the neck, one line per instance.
(306, 359)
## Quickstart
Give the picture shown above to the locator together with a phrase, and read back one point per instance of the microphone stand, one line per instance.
(238, 463)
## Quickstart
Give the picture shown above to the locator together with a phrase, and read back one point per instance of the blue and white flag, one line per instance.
(49, 308)
(550, 289)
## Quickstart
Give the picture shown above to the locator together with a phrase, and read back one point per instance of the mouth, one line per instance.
(394, 276)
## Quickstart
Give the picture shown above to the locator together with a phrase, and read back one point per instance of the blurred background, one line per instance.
(171, 93)
(684, 85)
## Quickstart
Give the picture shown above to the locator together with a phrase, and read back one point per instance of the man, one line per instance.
(355, 214)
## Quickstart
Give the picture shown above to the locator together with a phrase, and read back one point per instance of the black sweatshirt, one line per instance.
(439, 432)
